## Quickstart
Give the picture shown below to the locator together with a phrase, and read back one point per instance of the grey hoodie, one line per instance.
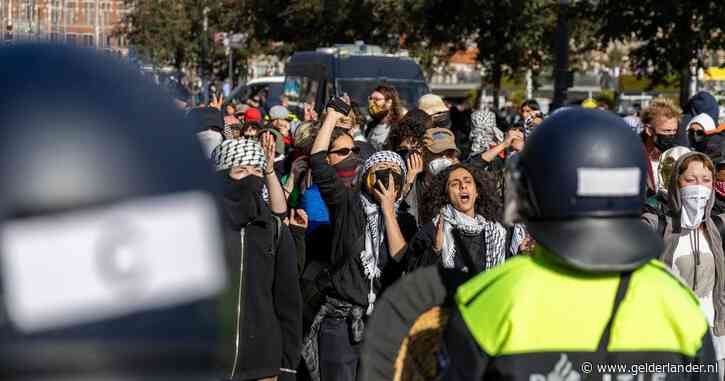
(673, 231)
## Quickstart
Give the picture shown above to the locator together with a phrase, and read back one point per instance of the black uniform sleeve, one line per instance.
(465, 358)
(706, 357)
(288, 299)
(298, 235)
(420, 248)
(333, 191)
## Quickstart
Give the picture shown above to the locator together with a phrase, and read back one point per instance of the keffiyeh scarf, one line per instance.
(238, 152)
(494, 236)
(484, 133)
(374, 227)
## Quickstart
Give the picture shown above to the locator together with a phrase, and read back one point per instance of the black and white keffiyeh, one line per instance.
(238, 152)
(382, 157)
(493, 232)
(374, 228)
(484, 132)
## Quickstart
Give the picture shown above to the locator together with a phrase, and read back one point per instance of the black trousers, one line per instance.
(339, 356)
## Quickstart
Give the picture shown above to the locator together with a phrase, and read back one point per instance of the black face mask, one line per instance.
(242, 199)
(698, 140)
(664, 142)
(346, 170)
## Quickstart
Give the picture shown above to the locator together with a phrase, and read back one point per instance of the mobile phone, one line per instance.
(339, 105)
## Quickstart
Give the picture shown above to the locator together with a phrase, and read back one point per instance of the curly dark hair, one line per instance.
(413, 125)
(489, 202)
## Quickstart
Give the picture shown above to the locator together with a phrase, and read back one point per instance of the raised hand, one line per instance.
(269, 146)
(415, 167)
(385, 195)
(440, 236)
(299, 166)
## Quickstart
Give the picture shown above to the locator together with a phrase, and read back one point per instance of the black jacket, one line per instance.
(420, 250)
(346, 277)
(270, 322)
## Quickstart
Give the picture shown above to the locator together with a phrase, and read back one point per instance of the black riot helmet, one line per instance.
(579, 186)
(110, 253)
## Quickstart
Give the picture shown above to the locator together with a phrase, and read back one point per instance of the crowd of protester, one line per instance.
(329, 210)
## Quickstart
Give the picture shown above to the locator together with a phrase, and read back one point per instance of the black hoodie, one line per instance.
(266, 306)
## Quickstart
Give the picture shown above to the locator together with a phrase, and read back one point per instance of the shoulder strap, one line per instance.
(277, 232)
(618, 297)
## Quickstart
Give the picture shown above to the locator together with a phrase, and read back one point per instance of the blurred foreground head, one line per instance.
(109, 254)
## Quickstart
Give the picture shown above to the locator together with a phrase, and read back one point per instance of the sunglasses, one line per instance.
(346, 151)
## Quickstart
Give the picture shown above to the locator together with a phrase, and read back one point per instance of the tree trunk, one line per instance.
(684, 85)
(479, 104)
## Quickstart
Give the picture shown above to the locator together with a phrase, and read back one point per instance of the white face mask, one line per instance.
(436, 166)
(694, 200)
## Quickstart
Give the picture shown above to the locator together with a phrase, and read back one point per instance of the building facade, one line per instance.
(83, 22)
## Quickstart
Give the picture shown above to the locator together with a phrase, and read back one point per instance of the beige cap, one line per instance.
(432, 104)
(439, 140)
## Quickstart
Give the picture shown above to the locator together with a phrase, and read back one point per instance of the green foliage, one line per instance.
(667, 35)
(511, 35)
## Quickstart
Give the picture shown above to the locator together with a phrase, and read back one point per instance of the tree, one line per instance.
(667, 37)
(511, 35)
(172, 33)
(307, 24)
(160, 31)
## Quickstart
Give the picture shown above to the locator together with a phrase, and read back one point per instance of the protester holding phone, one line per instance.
(366, 248)
(406, 139)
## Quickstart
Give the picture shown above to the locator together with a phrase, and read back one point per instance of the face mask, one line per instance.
(664, 142)
(347, 169)
(698, 140)
(438, 165)
(720, 188)
(694, 200)
(376, 112)
(242, 199)
(247, 186)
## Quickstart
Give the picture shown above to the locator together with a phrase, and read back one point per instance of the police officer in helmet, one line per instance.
(111, 254)
(593, 292)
